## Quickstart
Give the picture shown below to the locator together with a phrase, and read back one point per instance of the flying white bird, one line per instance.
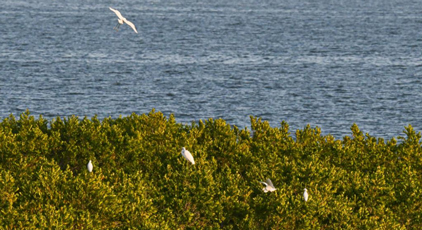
(269, 187)
(305, 195)
(122, 20)
(89, 166)
(187, 155)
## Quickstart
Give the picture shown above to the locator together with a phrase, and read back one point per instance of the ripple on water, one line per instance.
(302, 62)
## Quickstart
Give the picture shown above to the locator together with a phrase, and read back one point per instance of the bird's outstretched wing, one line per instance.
(117, 13)
(262, 182)
(131, 25)
(270, 183)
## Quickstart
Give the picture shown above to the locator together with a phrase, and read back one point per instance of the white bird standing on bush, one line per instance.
(269, 187)
(305, 195)
(122, 20)
(89, 166)
(187, 155)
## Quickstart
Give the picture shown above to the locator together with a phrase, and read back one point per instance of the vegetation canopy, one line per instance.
(141, 181)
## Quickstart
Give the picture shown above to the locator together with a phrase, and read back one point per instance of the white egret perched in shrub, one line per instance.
(89, 166)
(122, 20)
(305, 195)
(269, 187)
(187, 155)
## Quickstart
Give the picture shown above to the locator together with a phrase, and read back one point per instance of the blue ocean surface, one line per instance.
(325, 63)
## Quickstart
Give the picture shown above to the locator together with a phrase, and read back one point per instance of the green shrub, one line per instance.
(141, 181)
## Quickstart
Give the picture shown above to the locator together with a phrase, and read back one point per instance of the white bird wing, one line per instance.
(131, 25)
(270, 183)
(262, 182)
(188, 156)
(90, 166)
(117, 13)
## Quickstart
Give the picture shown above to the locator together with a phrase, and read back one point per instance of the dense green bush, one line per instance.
(141, 181)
